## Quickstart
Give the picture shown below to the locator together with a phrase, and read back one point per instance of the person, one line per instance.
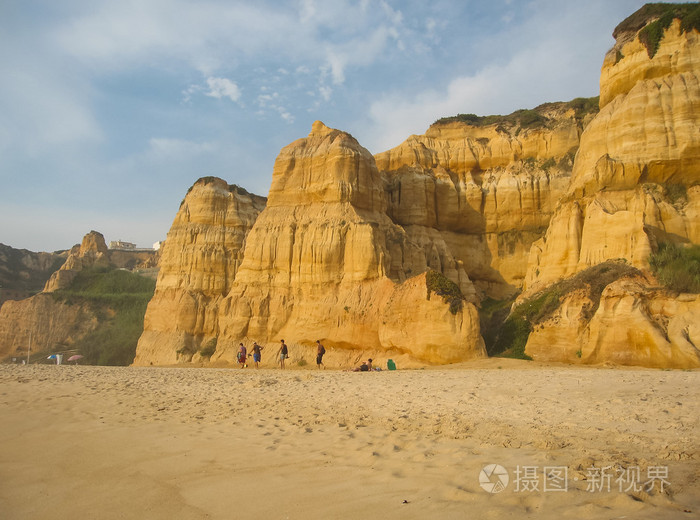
(256, 353)
(284, 353)
(242, 356)
(320, 351)
(369, 364)
(362, 368)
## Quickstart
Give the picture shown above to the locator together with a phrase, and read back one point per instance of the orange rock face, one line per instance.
(486, 192)
(641, 148)
(323, 260)
(644, 138)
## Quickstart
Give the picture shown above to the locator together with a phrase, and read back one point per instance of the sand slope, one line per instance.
(98, 442)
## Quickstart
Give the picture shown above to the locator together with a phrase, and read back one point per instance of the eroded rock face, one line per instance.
(92, 252)
(198, 265)
(634, 185)
(634, 324)
(489, 191)
(321, 261)
(644, 138)
(42, 322)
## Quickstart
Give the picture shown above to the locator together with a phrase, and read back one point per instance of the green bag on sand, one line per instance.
(390, 365)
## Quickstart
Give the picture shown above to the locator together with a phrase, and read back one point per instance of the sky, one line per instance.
(111, 110)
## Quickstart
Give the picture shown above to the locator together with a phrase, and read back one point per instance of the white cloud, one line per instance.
(223, 87)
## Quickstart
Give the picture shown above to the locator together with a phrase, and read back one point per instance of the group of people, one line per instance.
(283, 354)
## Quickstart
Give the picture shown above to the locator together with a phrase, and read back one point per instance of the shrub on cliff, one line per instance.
(677, 267)
(442, 286)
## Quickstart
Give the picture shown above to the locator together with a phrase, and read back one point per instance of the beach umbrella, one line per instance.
(52, 356)
(75, 358)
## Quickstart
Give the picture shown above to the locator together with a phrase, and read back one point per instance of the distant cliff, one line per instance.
(90, 306)
(23, 273)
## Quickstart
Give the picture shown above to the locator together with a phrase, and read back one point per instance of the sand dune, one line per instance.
(98, 442)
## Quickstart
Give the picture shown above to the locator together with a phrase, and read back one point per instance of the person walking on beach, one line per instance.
(284, 353)
(319, 354)
(256, 353)
(242, 356)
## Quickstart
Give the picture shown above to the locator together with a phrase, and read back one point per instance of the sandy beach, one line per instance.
(181, 443)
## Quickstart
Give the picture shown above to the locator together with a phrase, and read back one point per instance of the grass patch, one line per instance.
(442, 286)
(506, 334)
(119, 299)
(677, 267)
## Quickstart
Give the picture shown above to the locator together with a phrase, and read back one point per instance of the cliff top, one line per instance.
(653, 19)
(539, 116)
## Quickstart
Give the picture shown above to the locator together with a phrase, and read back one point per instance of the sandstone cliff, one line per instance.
(23, 273)
(321, 261)
(493, 204)
(45, 323)
(644, 141)
(635, 185)
(480, 190)
(93, 252)
(199, 261)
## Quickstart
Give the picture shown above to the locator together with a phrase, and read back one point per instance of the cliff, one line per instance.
(92, 305)
(44, 323)
(643, 144)
(485, 187)
(322, 261)
(564, 202)
(199, 261)
(635, 187)
(23, 273)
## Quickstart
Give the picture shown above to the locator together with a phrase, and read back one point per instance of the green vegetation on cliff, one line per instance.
(442, 286)
(677, 267)
(119, 298)
(527, 118)
(506, 334)
(650, 34)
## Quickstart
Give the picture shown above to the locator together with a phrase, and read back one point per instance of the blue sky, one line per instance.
(110, 110)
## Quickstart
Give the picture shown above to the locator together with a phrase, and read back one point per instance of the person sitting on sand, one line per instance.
(256, 353)
(369, 364)
(362, 368)
(242, 356)
(283, 352)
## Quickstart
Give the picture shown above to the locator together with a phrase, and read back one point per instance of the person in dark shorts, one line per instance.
(256, 354)
(284, 353)
(320, 351)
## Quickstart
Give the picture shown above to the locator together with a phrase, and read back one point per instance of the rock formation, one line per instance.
(199, 261)
(321, 261)
(644, 139)
(494, 204)
(634, 185)
(23, 273)
(42, 322)
(479, 191)
(92, 252)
